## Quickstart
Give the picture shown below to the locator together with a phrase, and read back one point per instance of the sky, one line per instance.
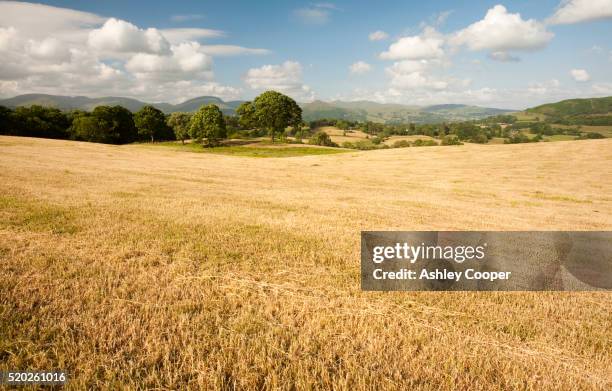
(506, 54)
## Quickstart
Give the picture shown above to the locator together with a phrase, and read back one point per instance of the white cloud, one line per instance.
(428, 45)
(544, 88)
(123, 37)
(286, 78)
(41, 21)
(502, 31)
(378, 35)
(60, 51)
(502, 56)
(441, 17)
(315, 14)
(360, 67)
(187, 61)
(186, 17)
(576, 11)
(411, 75)
(231, 50)
(580, 75)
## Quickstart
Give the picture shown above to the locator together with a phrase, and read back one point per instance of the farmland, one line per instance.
(147, 267)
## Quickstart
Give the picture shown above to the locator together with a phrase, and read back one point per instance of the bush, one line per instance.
(450, 140)
(424, 143)
(323, 139)
(401, 144)
(591, 135)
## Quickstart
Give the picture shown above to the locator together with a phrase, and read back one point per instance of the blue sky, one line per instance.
(509, 54)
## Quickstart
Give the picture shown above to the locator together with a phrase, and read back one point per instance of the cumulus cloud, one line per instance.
(580, 75)
(187, 61)
(286, 78)
(427, 45)
(378, 35)
(54, 50)
(576, 11)
(503, 57)
(419, 74)
(360, 67)
(120, 36)
(503, 31)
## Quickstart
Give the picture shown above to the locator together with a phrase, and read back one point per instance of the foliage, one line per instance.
(424, 143)
(151, 123)
(208, 123)
(401, 144)
(180, 124)
(275, 111)
(246, 113)
(323, 139)
(450, 140)
(35, 121)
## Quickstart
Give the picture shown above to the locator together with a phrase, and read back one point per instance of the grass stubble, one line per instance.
(135, 268)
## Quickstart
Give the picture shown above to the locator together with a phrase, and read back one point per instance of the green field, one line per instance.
(263, 150)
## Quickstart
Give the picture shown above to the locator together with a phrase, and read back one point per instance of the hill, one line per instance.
(353, 111)
(591, 111)
(86, 103)
(395, 113)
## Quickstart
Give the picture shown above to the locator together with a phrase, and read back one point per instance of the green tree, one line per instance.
(208, 123)
(246, 112)
(87, 127)
(275, 111)
(151, 123)
(323, 139)
(117, 123)
(180, 124)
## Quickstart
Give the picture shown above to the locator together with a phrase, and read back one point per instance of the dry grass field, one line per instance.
(138, 267)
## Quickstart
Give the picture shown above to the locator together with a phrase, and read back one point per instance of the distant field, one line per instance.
(150, 268)
(357, 135)
(253, 150)
(523, 116)
(604, 130)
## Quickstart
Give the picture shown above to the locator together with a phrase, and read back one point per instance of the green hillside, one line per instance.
(591, 111)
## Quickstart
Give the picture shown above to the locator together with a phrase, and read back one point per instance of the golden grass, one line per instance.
(150, 268)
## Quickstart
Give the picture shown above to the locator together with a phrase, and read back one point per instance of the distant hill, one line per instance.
(354, 111)
(85, 103)
(71, 102)
(591, 111)
(395, 113)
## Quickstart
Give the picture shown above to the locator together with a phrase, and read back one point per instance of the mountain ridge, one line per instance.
(362, 110)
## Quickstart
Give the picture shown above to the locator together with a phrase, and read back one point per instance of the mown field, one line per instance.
(137, 267)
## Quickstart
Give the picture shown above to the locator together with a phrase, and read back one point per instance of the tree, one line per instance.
(117, 123)
(6, 121)
(208, 123)
(151, 123)
(322, 138)
(275, 111)
(87, 127)
(247, 119)
(180, 124)
(39, 121)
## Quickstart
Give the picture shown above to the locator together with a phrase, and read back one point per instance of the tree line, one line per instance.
(270, 113)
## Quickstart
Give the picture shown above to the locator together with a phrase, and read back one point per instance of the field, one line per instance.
(140, 267)
(251, 149)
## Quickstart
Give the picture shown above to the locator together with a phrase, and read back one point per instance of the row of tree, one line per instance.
(270, 112)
